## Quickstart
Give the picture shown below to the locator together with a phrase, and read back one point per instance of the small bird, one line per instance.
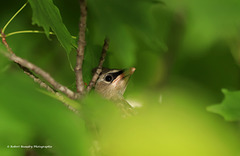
(112, 84)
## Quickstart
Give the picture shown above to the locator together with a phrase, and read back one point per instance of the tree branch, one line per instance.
(26, 70)
(99, 68)
(36, 79)
(46, 76)
(48, 88)
(81, 47)
(42, 73)
(5, 42)
(24, 64)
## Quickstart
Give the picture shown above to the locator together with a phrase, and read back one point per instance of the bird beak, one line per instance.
(128, 72)
(125, 75)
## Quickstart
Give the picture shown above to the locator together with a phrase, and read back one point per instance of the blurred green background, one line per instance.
(185, 52)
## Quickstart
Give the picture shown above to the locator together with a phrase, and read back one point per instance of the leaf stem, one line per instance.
(4, 28)
(27, 31)
(31, 31)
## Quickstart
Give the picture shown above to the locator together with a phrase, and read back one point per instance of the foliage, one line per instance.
(47, 15)
(34, 120)
(184, 52)
(229, 108)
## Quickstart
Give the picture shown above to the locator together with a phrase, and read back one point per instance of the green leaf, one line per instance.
(40, 119)
(47, 15)
(230, 106)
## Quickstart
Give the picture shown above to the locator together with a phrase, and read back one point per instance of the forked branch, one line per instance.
(28, 67)
(48, 88)
(46, 76)
(53, 86)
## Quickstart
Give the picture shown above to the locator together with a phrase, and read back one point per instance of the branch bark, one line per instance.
(81, 47)
(36, 79)
(5, 42)
(46, 76)
(47, 87)
(26, 70)
(99, 68)
(24, 64)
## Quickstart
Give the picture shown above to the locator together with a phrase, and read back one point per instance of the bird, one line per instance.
(112, 83)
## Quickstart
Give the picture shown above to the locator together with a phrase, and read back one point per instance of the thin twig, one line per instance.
(47, 87)
(5, 42)
(81, 47)
(46, 76)
(42, 73)
(26, 70)
(99, 68)
(36, 79)
(29, 66)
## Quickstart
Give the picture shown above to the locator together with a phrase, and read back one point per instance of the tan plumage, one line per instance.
(112, 83)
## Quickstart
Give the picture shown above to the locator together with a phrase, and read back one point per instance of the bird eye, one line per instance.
(108, 78)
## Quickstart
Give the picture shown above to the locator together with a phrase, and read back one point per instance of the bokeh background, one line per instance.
(185, 52)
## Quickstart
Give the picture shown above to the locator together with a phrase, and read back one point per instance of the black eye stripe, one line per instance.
(116, 74)
(112, 76)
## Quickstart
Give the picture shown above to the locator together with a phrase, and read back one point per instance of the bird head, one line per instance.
(113, 82)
